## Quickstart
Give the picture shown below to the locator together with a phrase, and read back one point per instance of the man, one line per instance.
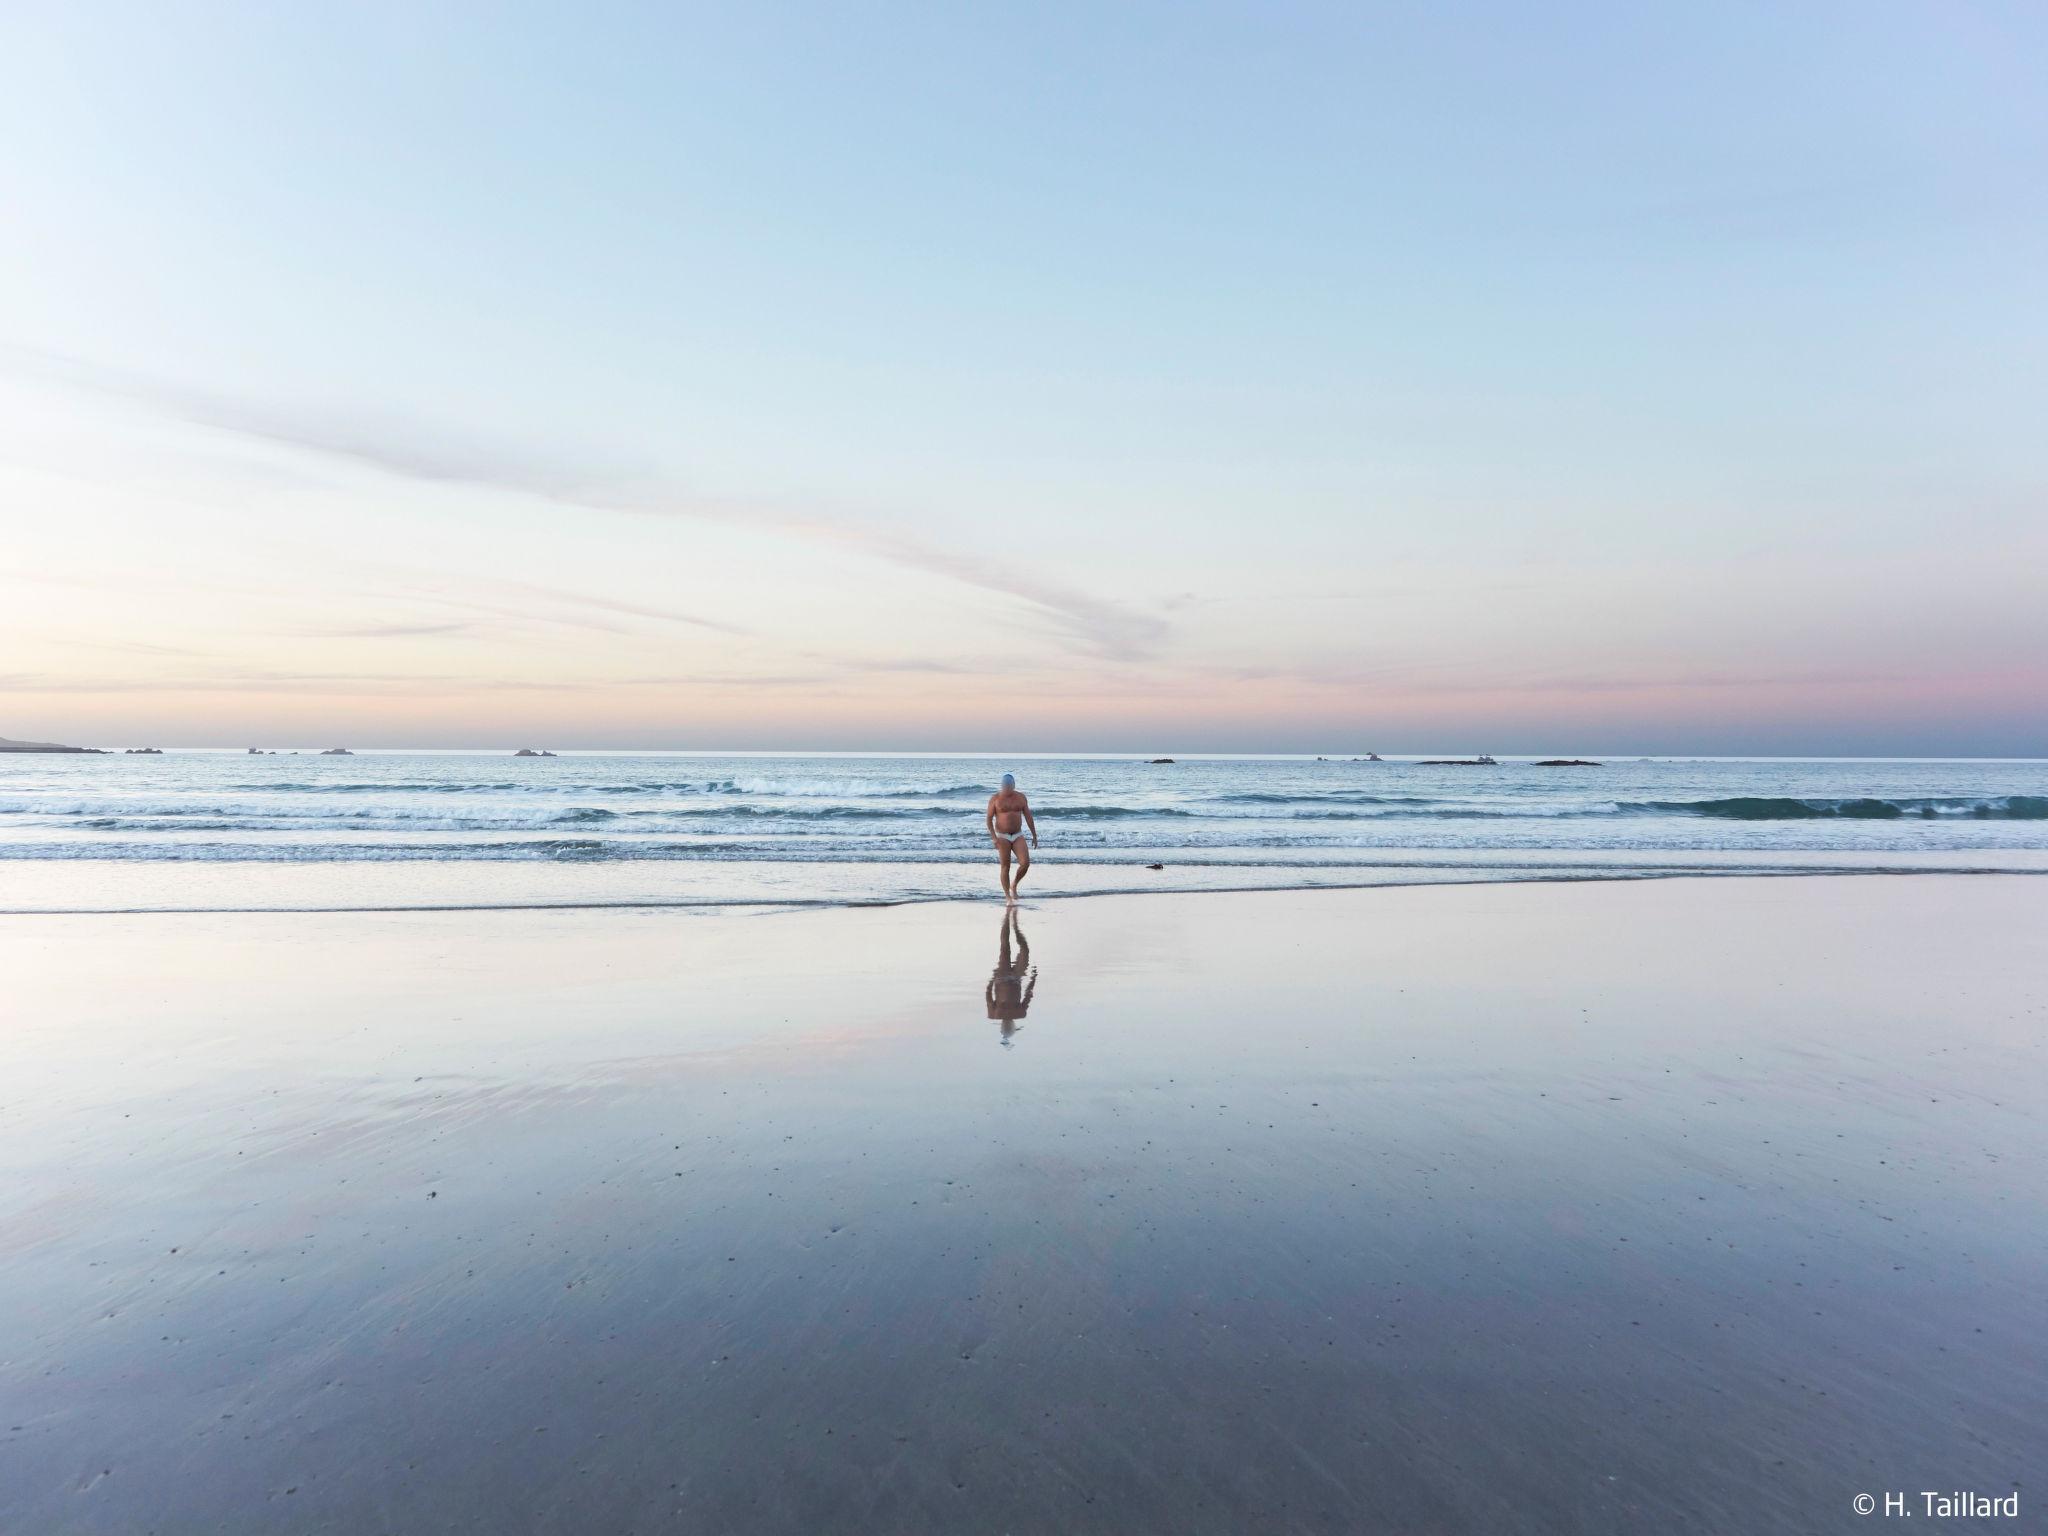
(1007, 817)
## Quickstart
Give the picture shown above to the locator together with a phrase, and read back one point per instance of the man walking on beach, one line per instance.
(1008, 815)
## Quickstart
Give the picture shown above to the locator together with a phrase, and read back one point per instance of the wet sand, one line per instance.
(1693, 1205)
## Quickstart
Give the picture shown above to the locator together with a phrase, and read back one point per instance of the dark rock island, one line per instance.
(7, 745)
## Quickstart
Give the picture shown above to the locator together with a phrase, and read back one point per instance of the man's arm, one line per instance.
(988, 817)
(1033, 825)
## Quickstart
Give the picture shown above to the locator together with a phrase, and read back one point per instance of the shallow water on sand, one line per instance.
(1696, 1205)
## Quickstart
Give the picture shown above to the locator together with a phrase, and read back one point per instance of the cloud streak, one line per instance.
(516, 601)
(398, 631)
(1090, 624)
(398, 683)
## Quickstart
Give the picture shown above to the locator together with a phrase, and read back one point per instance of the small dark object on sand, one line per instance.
(1155, 866)
(1567, 762)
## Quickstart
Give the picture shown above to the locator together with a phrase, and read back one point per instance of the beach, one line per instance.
(1023, 771)
(1682, 1204)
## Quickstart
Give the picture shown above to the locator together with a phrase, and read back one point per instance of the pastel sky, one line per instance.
(1296, 377)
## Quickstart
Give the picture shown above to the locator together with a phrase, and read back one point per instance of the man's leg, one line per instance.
(1003, 850)
(1023, 867)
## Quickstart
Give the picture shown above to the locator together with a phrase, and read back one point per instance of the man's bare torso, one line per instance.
(1008, 809)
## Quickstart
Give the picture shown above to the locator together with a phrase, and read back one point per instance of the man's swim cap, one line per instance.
(1009, 781)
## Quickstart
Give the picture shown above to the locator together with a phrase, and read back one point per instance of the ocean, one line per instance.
(217, 830)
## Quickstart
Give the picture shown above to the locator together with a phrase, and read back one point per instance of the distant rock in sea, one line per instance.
(529, 752)
(142, 751)
(1567, 762)
(1162, 759)
(7, 745)
(1482, 761)
(337, 752)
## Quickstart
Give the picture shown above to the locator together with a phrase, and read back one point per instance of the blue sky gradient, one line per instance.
(1239, 377)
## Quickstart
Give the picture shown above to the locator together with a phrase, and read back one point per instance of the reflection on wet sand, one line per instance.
(1009, 990)
(1299, 1222)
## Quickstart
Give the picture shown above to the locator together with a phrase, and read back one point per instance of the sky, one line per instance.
(1260, 377)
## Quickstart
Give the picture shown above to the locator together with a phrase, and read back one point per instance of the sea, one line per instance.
(223, 830)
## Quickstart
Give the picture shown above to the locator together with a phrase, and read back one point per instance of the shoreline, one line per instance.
(1620, 875)
(1144, 757)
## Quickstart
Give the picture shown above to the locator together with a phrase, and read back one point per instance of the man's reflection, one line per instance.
(1010, 988)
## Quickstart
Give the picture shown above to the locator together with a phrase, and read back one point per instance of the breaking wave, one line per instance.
(1779, 808)
(454, 807)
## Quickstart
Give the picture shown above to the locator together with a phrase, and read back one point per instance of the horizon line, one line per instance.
(1623, 755)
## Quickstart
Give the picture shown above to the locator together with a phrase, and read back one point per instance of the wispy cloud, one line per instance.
(631, 610)
(379, 683)
(128, 647)
(1449, 677)
(1093, 625)
(1096, 626)
(400, 631)
(523, 602)
(918, 664)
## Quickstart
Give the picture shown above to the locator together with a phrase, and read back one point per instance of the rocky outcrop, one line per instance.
(7, 745)
(1162, 759)
(143, 751)
(1459, 762)
(529, 752)
(337, 752)
(1567, 762)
